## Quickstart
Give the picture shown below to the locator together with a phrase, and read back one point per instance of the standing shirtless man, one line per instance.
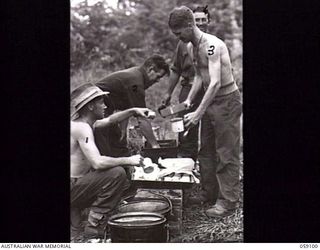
(183, 69)
(97, 181)
(219, 110)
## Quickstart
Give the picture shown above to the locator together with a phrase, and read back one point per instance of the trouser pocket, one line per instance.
(234, 104)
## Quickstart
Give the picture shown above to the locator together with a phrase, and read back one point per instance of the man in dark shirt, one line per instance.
(127, 89)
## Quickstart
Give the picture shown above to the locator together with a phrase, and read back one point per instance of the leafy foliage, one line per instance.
(106, 39)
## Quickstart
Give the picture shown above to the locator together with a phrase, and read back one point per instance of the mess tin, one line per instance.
(168, 149)
(177, 125)
(171, 110)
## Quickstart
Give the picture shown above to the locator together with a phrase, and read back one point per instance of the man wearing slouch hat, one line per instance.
(97, 181)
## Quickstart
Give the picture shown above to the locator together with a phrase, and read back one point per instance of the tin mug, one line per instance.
(177, 125)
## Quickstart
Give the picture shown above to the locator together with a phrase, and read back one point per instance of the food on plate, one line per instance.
(177, 164)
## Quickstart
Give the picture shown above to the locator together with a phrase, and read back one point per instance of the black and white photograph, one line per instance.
(156, 121)
(189, 122)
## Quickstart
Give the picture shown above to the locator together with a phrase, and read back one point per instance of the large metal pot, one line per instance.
(152, 205)
(138, 227)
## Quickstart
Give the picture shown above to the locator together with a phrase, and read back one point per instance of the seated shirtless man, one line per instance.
(97, 182)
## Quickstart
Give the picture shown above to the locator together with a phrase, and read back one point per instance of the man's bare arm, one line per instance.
(214, 67)
(173, 80)
(85, 138)
(147, 132)
(122, 115)
(196, 86)
(196, 82)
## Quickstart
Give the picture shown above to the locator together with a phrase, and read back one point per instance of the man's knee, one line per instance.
(229, 156)
(118, 173)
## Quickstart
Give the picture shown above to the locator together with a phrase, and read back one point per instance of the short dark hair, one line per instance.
(158, 62)
(203, 9)
(181, 17)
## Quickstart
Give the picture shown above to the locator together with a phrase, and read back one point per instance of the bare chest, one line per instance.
(200, 60)
(79, 165)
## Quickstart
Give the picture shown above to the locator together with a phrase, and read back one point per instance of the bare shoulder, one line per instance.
(213, 45)
(189, 47)
(213, 39)
(181, 46)
(80, 128)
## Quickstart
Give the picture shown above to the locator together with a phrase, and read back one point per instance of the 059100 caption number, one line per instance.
(308, 245)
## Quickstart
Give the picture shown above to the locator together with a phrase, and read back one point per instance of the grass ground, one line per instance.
(199, 228)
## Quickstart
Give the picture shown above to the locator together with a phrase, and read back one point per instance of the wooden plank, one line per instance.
(162, 184)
